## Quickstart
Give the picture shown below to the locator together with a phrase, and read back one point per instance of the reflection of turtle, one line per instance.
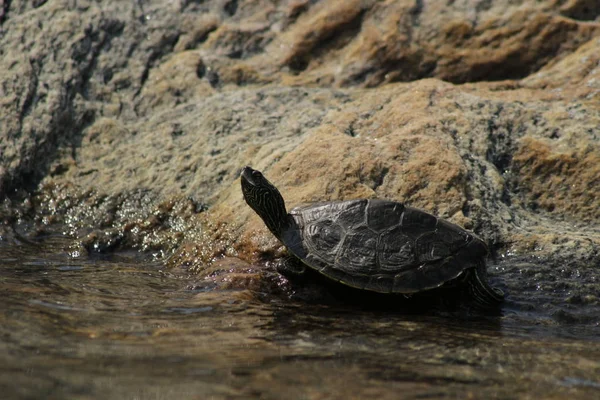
(375, 245)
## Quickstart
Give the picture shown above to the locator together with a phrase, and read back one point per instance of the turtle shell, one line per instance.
(380, 245)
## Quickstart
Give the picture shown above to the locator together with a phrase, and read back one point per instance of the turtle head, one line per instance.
(264, 198)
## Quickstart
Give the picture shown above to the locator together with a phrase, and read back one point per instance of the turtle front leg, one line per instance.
(291, 266)
(302, 284)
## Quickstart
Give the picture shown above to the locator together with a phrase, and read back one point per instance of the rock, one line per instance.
(123, 121)
(465, 155)
(129, 61)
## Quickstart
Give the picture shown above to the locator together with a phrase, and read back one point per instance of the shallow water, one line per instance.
(122, 327)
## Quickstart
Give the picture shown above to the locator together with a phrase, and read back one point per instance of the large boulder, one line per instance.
(128, 122)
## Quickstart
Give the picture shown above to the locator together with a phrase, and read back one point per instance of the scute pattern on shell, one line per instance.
(381, 245)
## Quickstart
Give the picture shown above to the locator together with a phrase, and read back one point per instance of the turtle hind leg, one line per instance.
(484, 295)
(292, 267)
(304, 283)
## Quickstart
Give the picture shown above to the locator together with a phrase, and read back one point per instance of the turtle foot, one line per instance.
(291, 266)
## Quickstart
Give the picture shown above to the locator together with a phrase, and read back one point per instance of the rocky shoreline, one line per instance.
(126, 124)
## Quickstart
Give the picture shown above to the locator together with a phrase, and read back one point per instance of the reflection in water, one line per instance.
(123, 328)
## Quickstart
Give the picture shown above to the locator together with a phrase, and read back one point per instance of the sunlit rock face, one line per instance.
(132, 120)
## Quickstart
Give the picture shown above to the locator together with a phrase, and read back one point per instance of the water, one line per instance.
(122, 327)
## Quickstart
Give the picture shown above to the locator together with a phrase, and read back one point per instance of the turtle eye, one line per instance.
(256, 174)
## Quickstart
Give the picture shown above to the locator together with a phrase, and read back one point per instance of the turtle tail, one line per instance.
(483, 294)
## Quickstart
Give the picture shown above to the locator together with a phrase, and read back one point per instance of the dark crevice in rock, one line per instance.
(342, 34)
(142, 16)
(201, 38)
(89, 56)
(4, 11)
(350, 131)
(415, 13)
(213, 78)
(296, 9)
(184, 4)
(406, 69)
(32, 89)
(299, 63)
(379, 177)
(359, 77)
(415, 20)
(164, 47)
(231, 7)
(499, 152)
(512, 67)
(582, 10)
(200, 70)
(483, 5)
(331, 40)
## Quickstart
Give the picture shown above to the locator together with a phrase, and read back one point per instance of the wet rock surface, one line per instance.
(126, 124)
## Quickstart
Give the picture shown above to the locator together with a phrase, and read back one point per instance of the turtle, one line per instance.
(373, 245)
